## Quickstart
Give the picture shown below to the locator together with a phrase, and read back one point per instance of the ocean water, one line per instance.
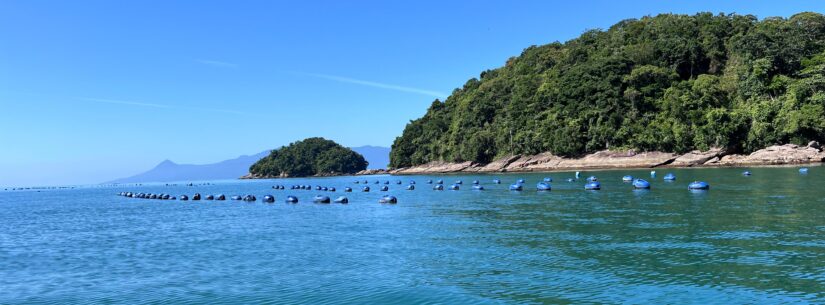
(748, 240)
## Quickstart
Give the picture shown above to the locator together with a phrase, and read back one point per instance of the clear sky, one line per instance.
(96, 90)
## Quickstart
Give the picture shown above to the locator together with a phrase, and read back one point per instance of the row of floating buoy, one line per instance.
(379, 182)
(250, 198)
(592, 184)
(306, 187)
(196, 196)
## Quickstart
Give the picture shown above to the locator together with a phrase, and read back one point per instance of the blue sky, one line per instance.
(96, 90)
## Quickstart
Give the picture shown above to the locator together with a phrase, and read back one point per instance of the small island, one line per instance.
(309, 157)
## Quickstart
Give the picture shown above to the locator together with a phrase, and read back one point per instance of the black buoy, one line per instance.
(291, 199)
(268, 199)
(385, 188)
(342, 200)
(388, 199)
(220, 197)
(184, 197)
(197, 196)
(321, 199)
(347, 189)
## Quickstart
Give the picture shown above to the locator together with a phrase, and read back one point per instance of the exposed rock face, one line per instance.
(371, 172)
(250, 176)
(728, 160)
(785, 154)
(498, 165)
(433, 167)
(696, 157)
(259, 176)
(611, 159)
(779, 154)
(546, 162)
(774, 155)
(542, 161)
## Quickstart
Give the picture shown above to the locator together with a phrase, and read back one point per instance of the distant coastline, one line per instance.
(788, 154)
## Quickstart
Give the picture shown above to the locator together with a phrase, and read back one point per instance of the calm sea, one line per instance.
(748, 240)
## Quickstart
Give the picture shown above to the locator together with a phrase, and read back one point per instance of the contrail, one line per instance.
(153, 105)
(217, 63)
(376, 84)
(120, 102)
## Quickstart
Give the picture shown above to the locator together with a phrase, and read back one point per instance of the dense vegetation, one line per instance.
(669, 83)
(312, 156)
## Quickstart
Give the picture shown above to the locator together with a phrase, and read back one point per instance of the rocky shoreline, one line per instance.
(787, 154)
(257, 176)
(546, 162)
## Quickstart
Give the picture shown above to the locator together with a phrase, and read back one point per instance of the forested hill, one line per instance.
(668, 83)
(309, 157)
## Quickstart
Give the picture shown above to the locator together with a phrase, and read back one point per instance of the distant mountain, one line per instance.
(377, 156)
(167, 171)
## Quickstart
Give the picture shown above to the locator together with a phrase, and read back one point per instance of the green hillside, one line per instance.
(667, 83)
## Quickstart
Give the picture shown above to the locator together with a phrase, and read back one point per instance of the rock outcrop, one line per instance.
(497, 165)
(542, 161)
(433, 167)
(696, 158)
(612, 159)
(774, 155)
(371, 172)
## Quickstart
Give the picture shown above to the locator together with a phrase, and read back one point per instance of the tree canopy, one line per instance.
(668, 83)
(312, 156)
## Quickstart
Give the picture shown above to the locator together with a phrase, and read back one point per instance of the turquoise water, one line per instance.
(757, 239)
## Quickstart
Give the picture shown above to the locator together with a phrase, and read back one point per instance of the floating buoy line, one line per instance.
(592, 183)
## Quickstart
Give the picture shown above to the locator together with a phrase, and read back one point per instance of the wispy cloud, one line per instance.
(119, 102)
(375, 84)
(217, 63)
(153, 105)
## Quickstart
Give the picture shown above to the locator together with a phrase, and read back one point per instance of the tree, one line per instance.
(312, 156)
(668, 82)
